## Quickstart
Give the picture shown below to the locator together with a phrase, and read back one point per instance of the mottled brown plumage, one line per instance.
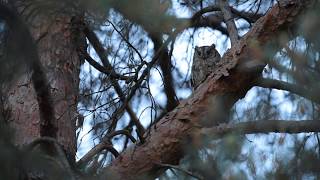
(204, 62)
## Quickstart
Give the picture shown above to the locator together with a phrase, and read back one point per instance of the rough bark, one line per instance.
(61, 65)
(227, 84)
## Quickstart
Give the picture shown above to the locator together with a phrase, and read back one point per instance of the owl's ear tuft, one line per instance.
(213, 45)
(198, 50)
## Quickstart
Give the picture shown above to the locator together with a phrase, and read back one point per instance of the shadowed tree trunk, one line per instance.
(58, 56)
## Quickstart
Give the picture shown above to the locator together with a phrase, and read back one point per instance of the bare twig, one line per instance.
(123, 132)
(102, 69)
(310, 94)
(180, 169)
(250, 17)
(104, 144)
(96, 150)
(93, 39)
(142, 77)
(127, 41)
(150, 65)
(205, 10)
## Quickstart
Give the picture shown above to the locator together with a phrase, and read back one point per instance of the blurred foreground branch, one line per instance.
(264, 126)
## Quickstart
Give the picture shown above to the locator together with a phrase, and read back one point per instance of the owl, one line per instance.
(205, 59)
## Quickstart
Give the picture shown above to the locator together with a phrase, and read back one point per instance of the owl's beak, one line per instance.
(205, 57)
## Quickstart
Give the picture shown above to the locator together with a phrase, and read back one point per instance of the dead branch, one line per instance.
(120, 132)
(105, 144)
(104, 70)
(95, 151)
(141, 79)
(118, 31)
(228, 19)
(180, 169)
(263, 126)
(250, 17)
(165, 65)
(310, 94)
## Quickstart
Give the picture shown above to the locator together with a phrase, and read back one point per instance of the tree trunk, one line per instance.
(61, 65)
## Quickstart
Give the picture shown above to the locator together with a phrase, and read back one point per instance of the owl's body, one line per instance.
(205, 59)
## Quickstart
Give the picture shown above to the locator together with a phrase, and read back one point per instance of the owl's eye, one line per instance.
(208, 52)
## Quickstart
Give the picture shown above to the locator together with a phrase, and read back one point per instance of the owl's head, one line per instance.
(205, 52)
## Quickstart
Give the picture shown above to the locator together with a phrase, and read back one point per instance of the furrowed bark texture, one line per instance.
(168, 137)
(61, 65)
